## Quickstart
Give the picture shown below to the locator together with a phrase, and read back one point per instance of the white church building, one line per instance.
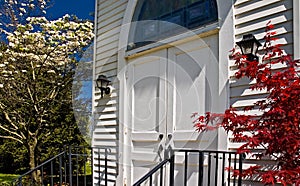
(165, 60)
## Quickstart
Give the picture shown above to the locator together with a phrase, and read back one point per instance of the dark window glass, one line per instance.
(176, 14)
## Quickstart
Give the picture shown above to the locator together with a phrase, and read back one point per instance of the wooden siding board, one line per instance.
(114, 18)
(107, 103)
(105, 130)
(110, 73)
(253, 6)
(108, 28)
(239, 2)
(111, 143)
(104, 6)
(101, 37)
(278, 8)
(109, 12)
(113, 45)
(106, 54)
(245, 91)
(107, 67)
(111, 38)
(105, 124)
(261, 24)
(112, 59)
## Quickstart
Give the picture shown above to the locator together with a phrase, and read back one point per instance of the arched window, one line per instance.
(158, 19)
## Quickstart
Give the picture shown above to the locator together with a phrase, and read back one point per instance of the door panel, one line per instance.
(191, 89)
(147, 90)
(189, 92)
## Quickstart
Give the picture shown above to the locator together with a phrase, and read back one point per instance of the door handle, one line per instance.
(161, 136)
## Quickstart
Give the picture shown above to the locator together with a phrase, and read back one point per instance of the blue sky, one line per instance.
(80, 8)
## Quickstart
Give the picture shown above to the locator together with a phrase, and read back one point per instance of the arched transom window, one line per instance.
(157, 19)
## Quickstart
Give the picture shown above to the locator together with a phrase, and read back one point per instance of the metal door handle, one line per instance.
(161, 136)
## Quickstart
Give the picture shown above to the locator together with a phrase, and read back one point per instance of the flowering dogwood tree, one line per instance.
(37, 62)
(277, 128)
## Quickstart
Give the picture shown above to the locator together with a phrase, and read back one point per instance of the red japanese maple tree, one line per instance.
(276, 130)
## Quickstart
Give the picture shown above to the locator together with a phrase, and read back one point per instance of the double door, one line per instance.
(165, 88)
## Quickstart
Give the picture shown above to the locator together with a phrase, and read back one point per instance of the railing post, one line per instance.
(42, 174)
(216, 167)
(105, 168)
(60, 171)
(20, 181)
(185, 168)
(65, 165)
(209, 169)
(99, 168)
(161, 176)
(200, 171)
(240, 169)
(172, 168)
(77, 167)
(84, 167)
(92, 164)
(51, 173)
(70, 166)
(234, 178)
(229, 165)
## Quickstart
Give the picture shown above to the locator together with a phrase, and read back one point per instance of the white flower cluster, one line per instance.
(41, 43)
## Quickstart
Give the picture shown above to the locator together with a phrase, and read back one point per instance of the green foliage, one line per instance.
(12, 157)
(5, 179)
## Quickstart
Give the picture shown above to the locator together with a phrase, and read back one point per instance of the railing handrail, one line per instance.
(151, 172)
(39, 166)
(206, 151)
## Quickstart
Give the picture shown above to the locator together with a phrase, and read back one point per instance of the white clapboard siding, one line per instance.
(109, 19)
(251, 16)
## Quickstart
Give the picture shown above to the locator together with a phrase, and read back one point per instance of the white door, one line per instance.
(166, 87)
(193, 87)
(147, 109)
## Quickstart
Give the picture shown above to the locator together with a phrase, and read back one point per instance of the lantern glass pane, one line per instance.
(247, 48)
(98, 83)
(107, 82)
(255, 48)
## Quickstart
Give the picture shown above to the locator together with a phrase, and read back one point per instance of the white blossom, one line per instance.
(22, 10)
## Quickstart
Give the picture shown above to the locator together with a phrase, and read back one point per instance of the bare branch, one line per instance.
(8, 118)
(9, 131)
(10, 137)
(32, 99)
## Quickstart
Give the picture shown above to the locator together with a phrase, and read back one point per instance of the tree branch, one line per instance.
(10, 137)
(9, 131)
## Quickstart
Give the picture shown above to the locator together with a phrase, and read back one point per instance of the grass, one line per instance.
(5, 179)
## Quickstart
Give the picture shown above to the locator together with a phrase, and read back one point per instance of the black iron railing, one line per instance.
(211, 168)
(73, 166)
(157, 169)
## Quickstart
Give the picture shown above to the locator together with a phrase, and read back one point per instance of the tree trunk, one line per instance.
(35, 176)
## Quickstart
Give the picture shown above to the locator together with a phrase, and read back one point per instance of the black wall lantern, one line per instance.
(102, 83)
(249, 46)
